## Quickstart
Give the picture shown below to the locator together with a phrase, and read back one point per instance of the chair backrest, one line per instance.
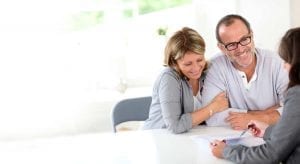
(132, 109)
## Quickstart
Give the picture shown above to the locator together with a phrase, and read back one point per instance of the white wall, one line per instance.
(57, 83)
(208, 13)
(269, 20)
(295, 12)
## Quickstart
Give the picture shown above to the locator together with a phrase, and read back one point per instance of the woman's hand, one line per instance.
(217, 148)
(257, 128)
(219, 103)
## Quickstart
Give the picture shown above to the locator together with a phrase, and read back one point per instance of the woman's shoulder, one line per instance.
(294, 91)
(168, 78)
(293, 95)
(292, 102)
(169, 72)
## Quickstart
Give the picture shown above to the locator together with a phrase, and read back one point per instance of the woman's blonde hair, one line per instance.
(182, 41)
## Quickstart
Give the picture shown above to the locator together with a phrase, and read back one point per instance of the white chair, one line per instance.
(132, 109)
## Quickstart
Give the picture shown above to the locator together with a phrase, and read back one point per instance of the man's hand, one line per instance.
(239, 121)
(269, 116)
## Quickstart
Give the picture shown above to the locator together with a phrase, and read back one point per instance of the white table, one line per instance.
(134, 147)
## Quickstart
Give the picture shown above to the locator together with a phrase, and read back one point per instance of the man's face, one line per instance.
(237, 44)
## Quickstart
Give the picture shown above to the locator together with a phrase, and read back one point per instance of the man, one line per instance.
(253, 78)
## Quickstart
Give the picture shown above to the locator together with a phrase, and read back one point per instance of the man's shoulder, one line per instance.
(218, 57)
(268, 56)
(219, 60)
(266, 53)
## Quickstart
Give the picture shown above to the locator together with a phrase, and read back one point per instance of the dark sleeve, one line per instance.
(268, 132)
(284, 138)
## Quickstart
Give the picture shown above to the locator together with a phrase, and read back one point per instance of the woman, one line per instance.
(176, 99)
(282, 140)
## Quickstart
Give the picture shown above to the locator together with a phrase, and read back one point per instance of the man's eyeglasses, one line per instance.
(234, 45)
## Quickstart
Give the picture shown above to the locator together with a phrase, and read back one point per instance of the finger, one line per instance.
(253, 131)
(236, 114)
(213, 143)
(230, 117)
(256, 133)
(227, 119)
(238, 125)
(251, 126)
(234, 124)
(239, 128)
(252, 122)
(242, 125)
(233, 113)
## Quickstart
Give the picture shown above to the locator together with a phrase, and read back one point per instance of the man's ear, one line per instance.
(221, 47)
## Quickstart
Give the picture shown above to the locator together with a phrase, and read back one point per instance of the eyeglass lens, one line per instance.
(234, 45)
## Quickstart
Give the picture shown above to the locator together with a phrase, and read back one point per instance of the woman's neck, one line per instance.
(195, 86)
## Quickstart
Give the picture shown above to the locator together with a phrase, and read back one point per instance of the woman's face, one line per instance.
(191, 65)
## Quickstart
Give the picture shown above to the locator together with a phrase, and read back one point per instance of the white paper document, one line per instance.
(246, 140)
(218, 119)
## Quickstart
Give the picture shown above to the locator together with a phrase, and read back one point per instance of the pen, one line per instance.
(249, 126)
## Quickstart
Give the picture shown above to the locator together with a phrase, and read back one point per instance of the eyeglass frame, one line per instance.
(238, 43)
